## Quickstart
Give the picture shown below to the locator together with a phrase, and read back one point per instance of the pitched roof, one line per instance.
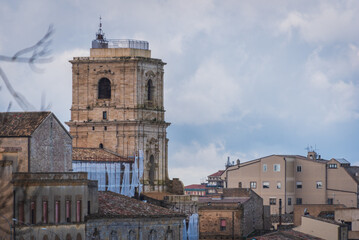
(116, 205)
(286, 234)
(97, 155)
(217, 174)
(195, 186)
(20, 124)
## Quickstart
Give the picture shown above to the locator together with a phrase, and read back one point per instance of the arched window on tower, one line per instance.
(151, 173)
(149, 90)
(104, 88)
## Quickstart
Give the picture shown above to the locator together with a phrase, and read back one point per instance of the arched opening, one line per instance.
(78, 237)
(68, 237)
(151, 173)
(153, 235)
(104, 88)
(132, 235)
(149, 90)
(101, 145)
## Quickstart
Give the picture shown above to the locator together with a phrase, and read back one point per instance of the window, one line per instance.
(272, 201)
(333, 165)
(78, 211)
(330, 201)
(104, 88)
(223, 225)
(319, 185)
(21, 212)
(299, 168)
(239, 184)
(289, 201)
(279, 185)
(149, 90)
(33, 212)
(57, 211)
(299, 201)
(299, 184)
(68, 211)
(44, 212)
(100, 146)
(104, 115)
(265, 184)
(93, 128)
(105, 128)
(276, 167)
(264, 167)
(253, 185)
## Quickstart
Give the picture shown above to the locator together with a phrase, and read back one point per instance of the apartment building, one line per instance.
(296, 180)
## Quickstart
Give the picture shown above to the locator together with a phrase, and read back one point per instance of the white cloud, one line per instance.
(327, 23)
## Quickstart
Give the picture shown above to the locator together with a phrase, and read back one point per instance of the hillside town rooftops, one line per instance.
(114, 205)
(98, 155)
(20, 124)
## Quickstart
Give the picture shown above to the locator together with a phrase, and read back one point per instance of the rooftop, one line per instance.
(116, 205)
(217, 174)
(97, 155)
(286, 234)
(20, 124)
(195, 186)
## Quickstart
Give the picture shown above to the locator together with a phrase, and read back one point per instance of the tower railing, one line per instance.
(128, 43)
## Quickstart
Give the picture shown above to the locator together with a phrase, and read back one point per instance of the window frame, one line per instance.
(319, 184)
(276, 167)
(299, 201)
(299, 185)
(264, 167)
(299, 168)
(333, 166)
(265, 185)
(289, 201)
(279, 185)
(253, 185)
(272, 201)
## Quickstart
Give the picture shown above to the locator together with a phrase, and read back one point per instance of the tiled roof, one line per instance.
(195, 186)
(217, 174)
(116, 205)
(97, 155)
(342, 160)
(286, 234)
(20, 124)
(353, 171)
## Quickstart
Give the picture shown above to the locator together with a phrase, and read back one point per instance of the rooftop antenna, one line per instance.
(100, 35)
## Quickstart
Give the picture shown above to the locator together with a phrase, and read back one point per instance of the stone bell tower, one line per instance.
(117, 104)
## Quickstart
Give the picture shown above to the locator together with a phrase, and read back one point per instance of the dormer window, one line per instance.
(104, 89)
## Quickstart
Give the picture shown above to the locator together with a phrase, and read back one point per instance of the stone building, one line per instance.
(297, 180)
(236, 214)
(53, 205)
(121, 217)
(118, 104)
(42, 143)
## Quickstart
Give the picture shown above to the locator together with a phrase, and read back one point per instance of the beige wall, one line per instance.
(332, 183)
(317, 228)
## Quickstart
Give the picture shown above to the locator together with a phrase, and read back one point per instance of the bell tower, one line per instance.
(117, 104)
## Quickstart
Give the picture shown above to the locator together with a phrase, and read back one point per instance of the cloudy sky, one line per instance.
(243, 79)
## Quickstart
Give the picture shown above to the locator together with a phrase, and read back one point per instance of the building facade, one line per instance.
(118, 104)
(297, 180)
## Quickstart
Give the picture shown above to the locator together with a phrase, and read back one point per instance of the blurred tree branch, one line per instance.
(36, 54)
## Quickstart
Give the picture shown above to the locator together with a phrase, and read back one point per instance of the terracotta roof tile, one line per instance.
(217, 174)
(97, 155)
(20, 124)
(286, 234)
(195, 186)
(116, 205)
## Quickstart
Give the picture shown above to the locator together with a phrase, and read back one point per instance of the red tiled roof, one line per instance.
(97, 155)
(20, 124)
(217, 174)
(195, 186)
(116, 205)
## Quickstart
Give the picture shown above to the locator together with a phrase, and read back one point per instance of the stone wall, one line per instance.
(50, 147)
(134, 228)
(313, 210)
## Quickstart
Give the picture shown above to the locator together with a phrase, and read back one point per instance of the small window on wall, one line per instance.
(299, 185)
(223, 225)
(239, 184)
(44, 212)
(333, 165)
(68, 211)
(276, 167)
(330, 201)
(265, 184)
(253, 185)
(319, 185)
(299, 201)
(78, 211)
(104, 115)
(279, 185)
(264, 167)
(289, 201)
(33, 212)
(299, 168)
(57, 211)
(272, 201)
